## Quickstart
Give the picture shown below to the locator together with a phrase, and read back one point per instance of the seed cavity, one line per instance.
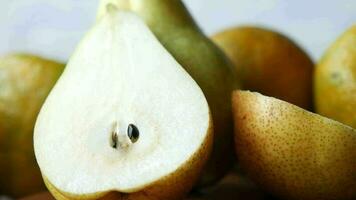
(133, 133)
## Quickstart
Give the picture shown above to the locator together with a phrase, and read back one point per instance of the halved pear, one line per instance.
(177, 31)
(124, 120)
(291, 152)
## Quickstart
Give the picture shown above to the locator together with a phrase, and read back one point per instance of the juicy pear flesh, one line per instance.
(175, 28)
(291, 152)
(119, 75)
(25, 81)
(335, 80)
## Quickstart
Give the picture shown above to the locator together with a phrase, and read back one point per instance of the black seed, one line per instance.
(133, 133)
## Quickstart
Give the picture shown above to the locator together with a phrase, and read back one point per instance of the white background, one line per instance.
(52, 28)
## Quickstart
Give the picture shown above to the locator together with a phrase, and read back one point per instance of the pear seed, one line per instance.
(133, 133)
(114, 140)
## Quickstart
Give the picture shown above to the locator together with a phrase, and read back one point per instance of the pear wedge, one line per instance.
(124, 121)
(206, 63)
(25, 81)
(293, 153)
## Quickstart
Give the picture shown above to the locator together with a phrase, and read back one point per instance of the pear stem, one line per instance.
(111, 8)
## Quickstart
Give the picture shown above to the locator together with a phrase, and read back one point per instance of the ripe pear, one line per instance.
(25, 81)
(270, 63)
(176, 30)
(293, 153)
(124, 121)
(335, 80)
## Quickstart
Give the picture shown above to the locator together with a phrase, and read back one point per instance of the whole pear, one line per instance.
(293, 153)
(270, 63)
(175, 28)
(335, 80)
(25, 81)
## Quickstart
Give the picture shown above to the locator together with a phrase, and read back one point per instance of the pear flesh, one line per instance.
(123, 117)
(291, 152)
(176, 29)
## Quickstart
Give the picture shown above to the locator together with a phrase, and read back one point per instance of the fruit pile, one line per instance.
(149, 108)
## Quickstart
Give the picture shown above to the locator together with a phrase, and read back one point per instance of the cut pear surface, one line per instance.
(293, 153)
(178, 32)
(123, 116)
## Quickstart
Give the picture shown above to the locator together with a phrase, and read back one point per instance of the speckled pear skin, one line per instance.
(174, 186)
(175, 28)
(335, 80)
(292, 153)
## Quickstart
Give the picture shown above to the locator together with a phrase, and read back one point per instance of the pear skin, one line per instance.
(25, 83)
(270, 63)
(293, 153)
(335, 80)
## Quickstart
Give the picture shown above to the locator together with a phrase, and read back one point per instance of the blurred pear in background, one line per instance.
(270, 63)
(25, 81)
(335, 80)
